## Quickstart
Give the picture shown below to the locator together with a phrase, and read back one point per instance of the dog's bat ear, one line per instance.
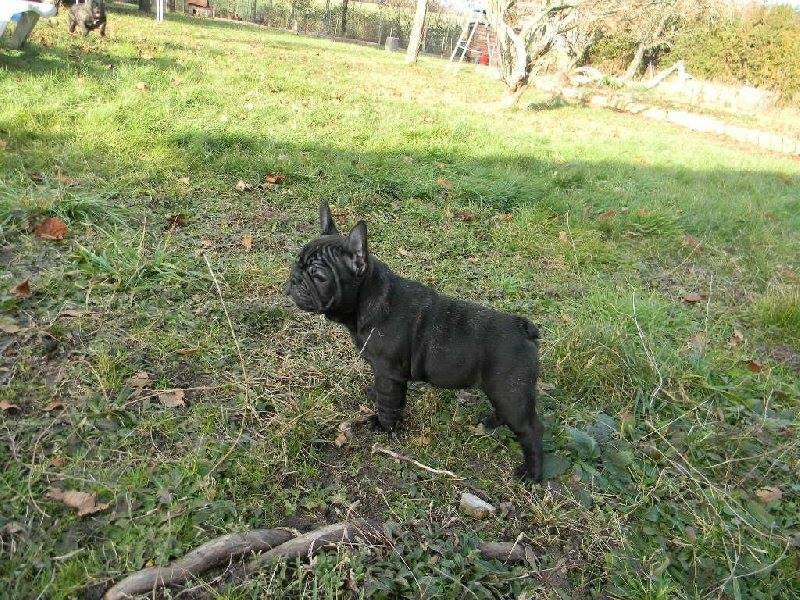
(326, 220)
(357, 244)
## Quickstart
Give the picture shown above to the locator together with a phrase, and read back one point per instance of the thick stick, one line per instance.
(306, 544)
(273, 543)
(214, 553)
(507, 552)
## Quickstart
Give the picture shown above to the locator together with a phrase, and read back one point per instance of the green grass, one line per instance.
(573, 217)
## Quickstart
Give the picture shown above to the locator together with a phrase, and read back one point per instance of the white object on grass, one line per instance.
(27, 13)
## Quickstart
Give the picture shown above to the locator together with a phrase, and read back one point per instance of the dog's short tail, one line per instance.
(530, 329)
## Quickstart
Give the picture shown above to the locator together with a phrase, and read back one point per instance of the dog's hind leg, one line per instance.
(529, 436)
(515, 407)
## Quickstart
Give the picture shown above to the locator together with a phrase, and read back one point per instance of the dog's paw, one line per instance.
(491, 421)
(375, 424)
(525, 473)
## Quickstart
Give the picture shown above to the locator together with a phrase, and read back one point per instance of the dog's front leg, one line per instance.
(390, 400)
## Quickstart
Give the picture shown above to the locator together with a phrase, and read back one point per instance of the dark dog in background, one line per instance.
(88, 16)
(407, 331)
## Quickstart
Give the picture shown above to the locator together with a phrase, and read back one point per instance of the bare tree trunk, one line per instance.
(415, 37)
(647, 43)
(344, 18)
(328, 25)
(634, 65)
(144, 6)
(523, 45)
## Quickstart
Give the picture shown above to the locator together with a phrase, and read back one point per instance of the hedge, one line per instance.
(760, 46)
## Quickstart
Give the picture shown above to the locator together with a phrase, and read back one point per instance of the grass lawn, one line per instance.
(673, 447)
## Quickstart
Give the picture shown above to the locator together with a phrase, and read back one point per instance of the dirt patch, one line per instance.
(786, 355)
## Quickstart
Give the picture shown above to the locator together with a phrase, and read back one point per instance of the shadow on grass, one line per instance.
(733, 205)
(551, 104)
(45, 61)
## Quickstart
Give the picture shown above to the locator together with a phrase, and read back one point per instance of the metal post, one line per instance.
(159, 10)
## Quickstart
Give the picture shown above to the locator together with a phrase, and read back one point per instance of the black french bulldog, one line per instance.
(88, 15)
(406, 331)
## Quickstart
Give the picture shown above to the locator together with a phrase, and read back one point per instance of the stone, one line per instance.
(473, 506)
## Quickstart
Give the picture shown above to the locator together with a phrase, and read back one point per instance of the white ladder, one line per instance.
(467, 33)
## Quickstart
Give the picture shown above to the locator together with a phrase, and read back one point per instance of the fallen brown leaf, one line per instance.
(769, 494)
(139, 380)
(563, 237)
(479, 429)
(632, 234)
(23, 289)
(52, 228)
(465, 215)
(53, 405)
(365, 413)
(692, 242)
(444, 182)
(243, 186)
(642, 212)
(58, 461)
(754, 366)
(693, 297)
(206, 244)
(184, 180)
(403, 252)
(344, 434)
(473, 259)
(504, 217)
(698, 341)
(36, 177)
(71, 312)
(65, 180)
(439, 165)
(8, 325)
(175, 81)
(605, 216)
(275, 178)
(13, 528)
(178, 220)
(736, 339)
(142, 86)
(247, 242)
(626, 421)
(85, 502)
(172, 398)
(6, 406)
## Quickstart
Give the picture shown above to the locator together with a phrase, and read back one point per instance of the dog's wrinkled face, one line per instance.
(329, 269)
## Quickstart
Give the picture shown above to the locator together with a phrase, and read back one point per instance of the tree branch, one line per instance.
(211, 554)
(276, 543)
